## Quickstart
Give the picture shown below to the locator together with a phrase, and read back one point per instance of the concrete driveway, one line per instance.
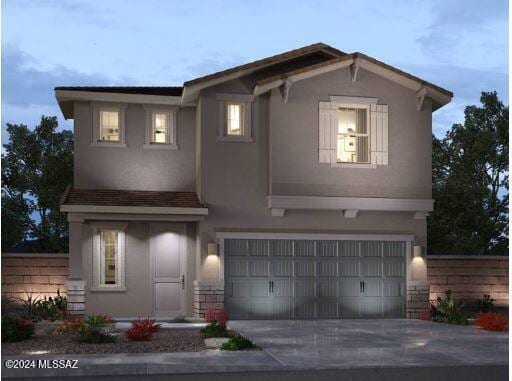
(375, 343)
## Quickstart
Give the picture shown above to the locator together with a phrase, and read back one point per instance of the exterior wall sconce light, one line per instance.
(213, 249)
(417, 251)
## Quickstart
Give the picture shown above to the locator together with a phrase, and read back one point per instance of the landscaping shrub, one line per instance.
(28, 307)
(142, 329)
(52, 308)
(219, 316)
(426, 315)
(68, 327)
(96, 330)
(448, 310)
(492, 321)
(222, 317)
(486, 304)
(98, 321)
(95, 335)
(16, 329)
(214, 330)
(209, 316)
(237, 343)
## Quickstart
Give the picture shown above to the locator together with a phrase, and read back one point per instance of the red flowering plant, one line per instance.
(426, 314)
(492, 321)
(142, 329)
(216, 320)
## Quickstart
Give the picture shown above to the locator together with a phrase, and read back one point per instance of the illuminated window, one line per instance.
(109, 126)
(234, 119)
(353, 137)
(109, 252)
(160, 129)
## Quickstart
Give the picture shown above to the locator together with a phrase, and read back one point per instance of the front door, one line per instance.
(167, 248)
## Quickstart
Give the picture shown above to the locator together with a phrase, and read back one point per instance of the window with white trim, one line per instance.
(235, 117)
(108, 257)
(352, 139)
(161, 127)
(108, 125)
(353, 132)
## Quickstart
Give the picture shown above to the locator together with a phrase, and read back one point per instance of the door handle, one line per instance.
(183, 282)
(269, 286)
(272, 286)
(360, 286)
(363, 285)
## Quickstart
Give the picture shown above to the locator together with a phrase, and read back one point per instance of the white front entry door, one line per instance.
(167, 252)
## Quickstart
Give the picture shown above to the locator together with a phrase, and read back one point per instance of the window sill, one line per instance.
(160, 146)
(354, 165)
(239, 139)
(108, 289)
(111, 145)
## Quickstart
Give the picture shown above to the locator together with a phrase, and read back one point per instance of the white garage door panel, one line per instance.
(308, 279)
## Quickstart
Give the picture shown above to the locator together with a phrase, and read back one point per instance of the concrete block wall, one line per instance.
(208, 294)
(417, 299)
(40, 274)
(469, 277)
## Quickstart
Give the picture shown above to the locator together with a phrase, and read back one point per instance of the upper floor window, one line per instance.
(352, 145)
(161, 128)
(108, 125)
(352, 132)
(235, 117)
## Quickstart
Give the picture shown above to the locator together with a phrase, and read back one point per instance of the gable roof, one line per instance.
(269, 72)
(329, 50)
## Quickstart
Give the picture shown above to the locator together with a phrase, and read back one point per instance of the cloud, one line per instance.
(25, 87)
(473, 31)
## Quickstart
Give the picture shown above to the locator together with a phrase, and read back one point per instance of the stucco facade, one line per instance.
(236, 180)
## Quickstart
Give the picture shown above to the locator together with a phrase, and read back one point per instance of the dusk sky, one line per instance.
(459, 45)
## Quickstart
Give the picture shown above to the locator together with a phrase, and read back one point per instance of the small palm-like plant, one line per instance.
(449, 310)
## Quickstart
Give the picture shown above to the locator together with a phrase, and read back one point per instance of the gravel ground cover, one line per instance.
(165, 340)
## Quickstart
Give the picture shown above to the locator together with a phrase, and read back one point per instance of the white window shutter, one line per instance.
(327, 126)
(379, 134)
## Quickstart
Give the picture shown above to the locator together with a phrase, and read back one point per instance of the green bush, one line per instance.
(486, 304)
(16, 329)
(448, 310)
(214, 330)
(52, 308)
(94, 335)
(237, 343)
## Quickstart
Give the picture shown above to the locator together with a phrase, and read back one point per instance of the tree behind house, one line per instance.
(36, 168)
(470, 183)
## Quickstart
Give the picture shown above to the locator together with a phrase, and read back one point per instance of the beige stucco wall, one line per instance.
(134, 167)
(136, 300)
(294, 138)
(236, 175)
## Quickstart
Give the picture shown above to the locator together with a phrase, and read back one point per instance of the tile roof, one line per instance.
(268, 61)
(108, 197)
(174, 91)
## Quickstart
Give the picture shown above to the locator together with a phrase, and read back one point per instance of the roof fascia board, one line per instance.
(72, 95)
(352, 203)
(132, 209)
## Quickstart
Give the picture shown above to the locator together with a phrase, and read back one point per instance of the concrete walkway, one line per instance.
(305, 350)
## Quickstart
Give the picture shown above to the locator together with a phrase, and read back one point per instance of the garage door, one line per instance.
(308, 279)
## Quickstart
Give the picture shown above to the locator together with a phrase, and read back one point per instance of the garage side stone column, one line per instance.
(76, 297)
(418, 294)
(208, 294)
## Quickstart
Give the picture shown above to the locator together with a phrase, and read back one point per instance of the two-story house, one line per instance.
(291, 187)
